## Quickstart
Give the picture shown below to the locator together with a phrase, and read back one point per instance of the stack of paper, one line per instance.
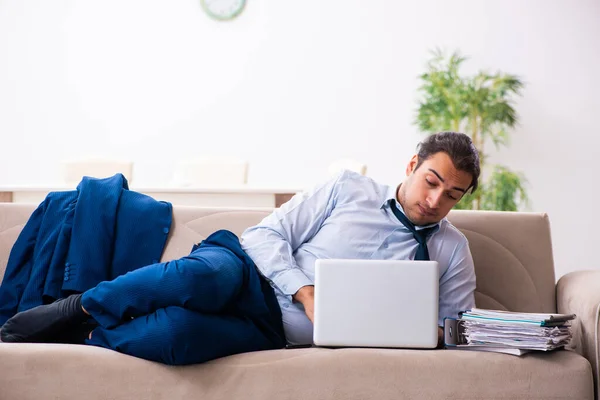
(494, 330)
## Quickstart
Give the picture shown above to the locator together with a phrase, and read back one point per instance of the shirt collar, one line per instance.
(391, 194)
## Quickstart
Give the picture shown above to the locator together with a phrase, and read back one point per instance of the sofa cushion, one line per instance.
(43, 371)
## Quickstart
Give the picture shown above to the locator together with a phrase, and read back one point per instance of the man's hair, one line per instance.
(458, 146)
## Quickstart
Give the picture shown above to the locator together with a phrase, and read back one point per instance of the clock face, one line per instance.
(223, 9)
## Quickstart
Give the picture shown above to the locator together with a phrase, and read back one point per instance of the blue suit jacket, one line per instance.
(77, 239)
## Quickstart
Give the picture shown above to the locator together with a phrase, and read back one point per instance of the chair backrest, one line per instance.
(210, 172)
(348, 164)
(73, 171)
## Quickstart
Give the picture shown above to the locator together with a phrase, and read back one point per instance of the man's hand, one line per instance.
(306, 296)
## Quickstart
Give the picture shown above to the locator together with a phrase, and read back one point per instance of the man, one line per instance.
(213, 302)
(351, 217)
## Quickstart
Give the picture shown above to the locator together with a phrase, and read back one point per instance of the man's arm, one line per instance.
(457, 287)
(306, 296)
(272, 243)
(457, 284)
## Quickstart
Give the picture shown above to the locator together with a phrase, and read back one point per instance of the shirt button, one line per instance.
(66, 278)
(166, 230)
(67, 264)
(67, 269)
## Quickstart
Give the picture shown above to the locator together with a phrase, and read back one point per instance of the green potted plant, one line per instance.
(481, 106)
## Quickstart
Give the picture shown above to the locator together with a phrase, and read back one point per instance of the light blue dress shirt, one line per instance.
(348, 217)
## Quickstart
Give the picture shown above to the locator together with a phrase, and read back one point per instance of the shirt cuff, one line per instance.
(289, 281)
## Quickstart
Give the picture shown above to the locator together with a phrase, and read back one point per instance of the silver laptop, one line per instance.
(376, 303)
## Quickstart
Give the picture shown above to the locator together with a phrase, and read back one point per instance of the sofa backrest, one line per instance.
(512, 251)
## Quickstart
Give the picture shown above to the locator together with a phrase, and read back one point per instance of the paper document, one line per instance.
(514, 352)
(509, 316)
(508, 332)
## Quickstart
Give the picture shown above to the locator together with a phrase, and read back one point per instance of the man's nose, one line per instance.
(433, 201)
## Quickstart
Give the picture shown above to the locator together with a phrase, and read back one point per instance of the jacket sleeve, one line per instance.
(19, 266)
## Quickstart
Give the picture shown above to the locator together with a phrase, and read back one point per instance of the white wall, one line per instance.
(293, 85)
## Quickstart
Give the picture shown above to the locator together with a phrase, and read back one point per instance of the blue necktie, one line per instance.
(419, 235)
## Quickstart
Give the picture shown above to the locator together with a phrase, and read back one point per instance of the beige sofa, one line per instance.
(515, 271)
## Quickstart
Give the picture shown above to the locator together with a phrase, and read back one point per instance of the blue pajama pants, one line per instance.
(178, 312)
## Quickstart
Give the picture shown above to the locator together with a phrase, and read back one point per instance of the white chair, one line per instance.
(346, 163)
(210, 172)
(74, 171)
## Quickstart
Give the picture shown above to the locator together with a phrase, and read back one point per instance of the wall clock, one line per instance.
(223, 10)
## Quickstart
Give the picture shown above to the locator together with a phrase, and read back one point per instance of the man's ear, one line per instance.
(412, 164)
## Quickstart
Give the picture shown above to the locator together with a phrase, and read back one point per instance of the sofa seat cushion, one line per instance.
(37, 371)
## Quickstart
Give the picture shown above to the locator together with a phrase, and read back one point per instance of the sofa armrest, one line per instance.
(579, 293)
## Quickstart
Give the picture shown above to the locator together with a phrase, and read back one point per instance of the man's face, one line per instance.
(429, 192)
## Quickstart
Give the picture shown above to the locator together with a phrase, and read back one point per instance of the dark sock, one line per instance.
(44, 323)
(76, 334)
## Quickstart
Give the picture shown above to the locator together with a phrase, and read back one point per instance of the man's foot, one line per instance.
(46, 323)
(76, 333)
